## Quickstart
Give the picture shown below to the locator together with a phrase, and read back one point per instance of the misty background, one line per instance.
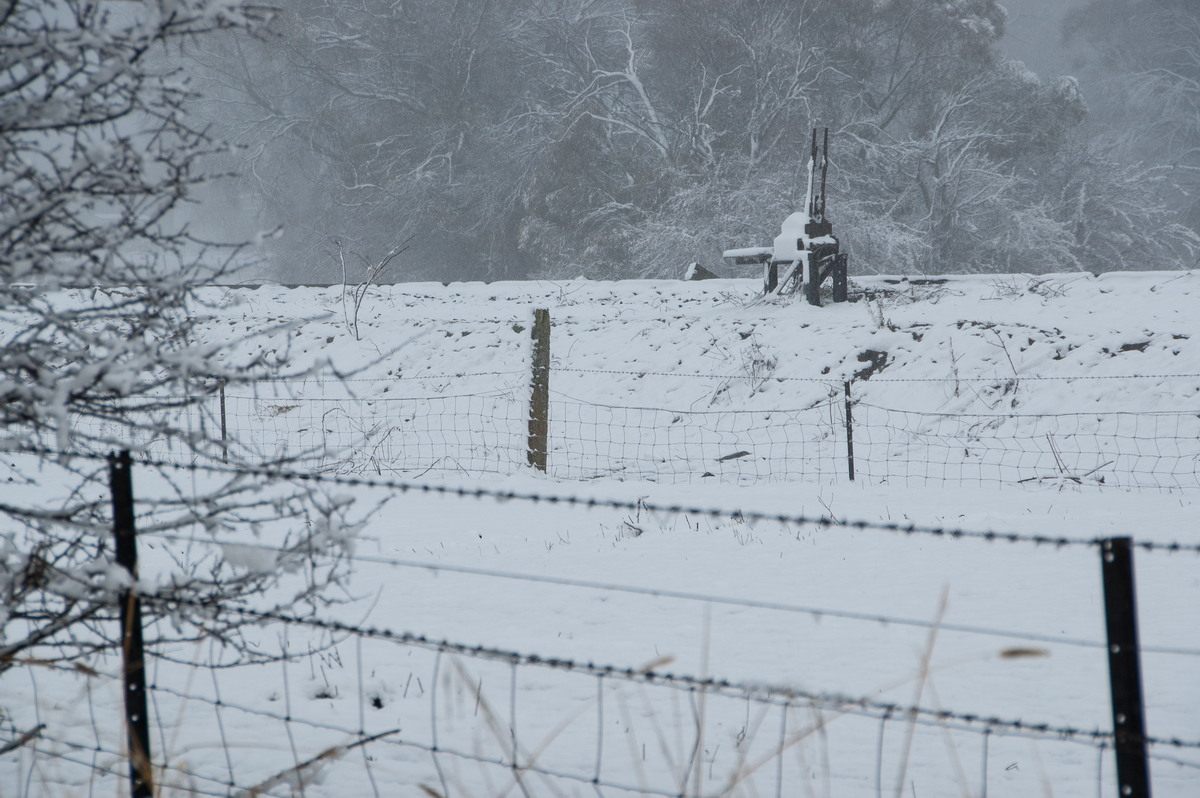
(627, 138)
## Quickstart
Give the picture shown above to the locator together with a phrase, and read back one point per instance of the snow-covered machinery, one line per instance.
(805, 252)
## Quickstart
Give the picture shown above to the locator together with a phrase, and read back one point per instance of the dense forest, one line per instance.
(506, 139)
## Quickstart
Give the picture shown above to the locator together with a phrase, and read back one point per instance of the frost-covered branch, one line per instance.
(100, 342)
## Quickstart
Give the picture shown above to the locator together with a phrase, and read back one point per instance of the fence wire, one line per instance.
(479, 720)
(471, 433)
(1121, 449)
(341, 708)
(487, 433)
(590, 441)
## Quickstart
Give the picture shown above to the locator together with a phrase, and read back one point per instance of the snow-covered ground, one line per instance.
(1012, 631)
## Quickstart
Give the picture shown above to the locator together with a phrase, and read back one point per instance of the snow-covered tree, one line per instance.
(622, 138)
(368, 122)
(98, 342)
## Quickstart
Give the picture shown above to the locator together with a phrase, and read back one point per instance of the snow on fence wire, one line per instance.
(487, 433)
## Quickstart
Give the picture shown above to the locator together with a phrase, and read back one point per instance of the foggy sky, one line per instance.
(1034, 35)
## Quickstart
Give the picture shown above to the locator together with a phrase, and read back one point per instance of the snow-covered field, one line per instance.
(790, 614)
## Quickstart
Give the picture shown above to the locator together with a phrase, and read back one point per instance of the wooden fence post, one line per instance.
(141, 772)
(539, 399)
(1124, 668)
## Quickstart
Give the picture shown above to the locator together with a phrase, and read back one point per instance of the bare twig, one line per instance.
(300, 773)
(22, 740)
(922, 679)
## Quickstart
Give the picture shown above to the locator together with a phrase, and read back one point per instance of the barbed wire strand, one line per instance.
(749, 691)
(784, 697)
(591, 503)
(762, 693)
(816, 613)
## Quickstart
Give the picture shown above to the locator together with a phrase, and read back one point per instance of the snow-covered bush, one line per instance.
(98, 346)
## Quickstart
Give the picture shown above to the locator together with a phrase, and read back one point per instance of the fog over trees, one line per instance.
(627, 138)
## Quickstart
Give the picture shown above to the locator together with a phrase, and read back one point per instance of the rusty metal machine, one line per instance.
(805, 253)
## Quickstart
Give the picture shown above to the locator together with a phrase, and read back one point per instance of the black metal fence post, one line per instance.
(1124, 667)
(539, 399)
(141, 774)
(841, 278)
(849, 432)
(224, 429)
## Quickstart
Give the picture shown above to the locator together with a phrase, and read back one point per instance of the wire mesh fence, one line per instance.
(590, 441)
(829, 439)
(1122, 449)
(473, 433)
(487, 433)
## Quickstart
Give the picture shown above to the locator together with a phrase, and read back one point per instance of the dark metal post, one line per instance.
(841, 287)
(141, 774)
(812, 289)
(1124, 667)
(812, 159)
(849, 431)
(824, 169)
(539, 400)
(224, 429)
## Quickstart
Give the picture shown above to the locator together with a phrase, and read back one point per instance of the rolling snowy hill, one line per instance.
(783, 610)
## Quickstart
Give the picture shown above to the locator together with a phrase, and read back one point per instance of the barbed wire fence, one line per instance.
(350, 708)
(475, 719)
